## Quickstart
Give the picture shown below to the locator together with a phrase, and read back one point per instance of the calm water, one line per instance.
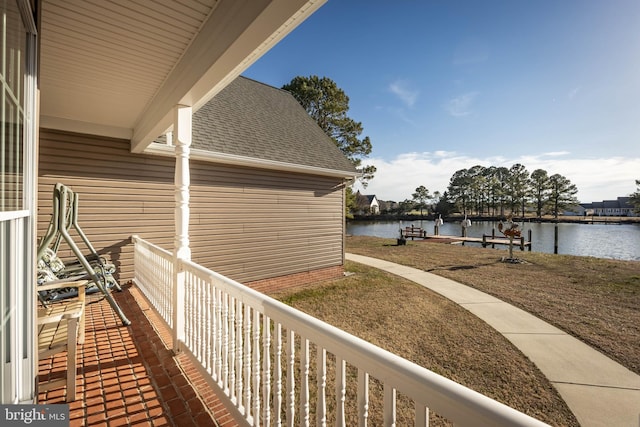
(597, 240)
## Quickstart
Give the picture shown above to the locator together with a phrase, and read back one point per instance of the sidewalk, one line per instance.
(599, 391)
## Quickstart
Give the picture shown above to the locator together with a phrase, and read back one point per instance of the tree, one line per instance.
(477, 187)
(635, 198)
(496, 178)
(562, 193)
(518, 187)
(444, 206)
(421, 197)
(328, 105)
(539, 183)
(351, 204)
(405, 206)
(435, 199)
(460, 189)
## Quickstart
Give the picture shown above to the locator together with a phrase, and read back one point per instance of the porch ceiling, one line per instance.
(118, 67)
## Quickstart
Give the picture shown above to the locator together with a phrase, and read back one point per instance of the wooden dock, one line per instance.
(486, 240)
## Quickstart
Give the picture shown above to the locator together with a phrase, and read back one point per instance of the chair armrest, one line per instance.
(72, 309)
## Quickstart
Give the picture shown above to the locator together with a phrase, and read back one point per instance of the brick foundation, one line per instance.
(304, 279)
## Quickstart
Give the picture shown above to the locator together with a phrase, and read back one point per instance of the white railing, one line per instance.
(273, 362)
(153, 275)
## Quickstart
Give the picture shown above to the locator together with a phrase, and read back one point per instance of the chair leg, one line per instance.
(72, 333)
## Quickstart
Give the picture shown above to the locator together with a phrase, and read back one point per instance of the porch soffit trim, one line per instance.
(49, 122)
(218, 55)
(235, 160)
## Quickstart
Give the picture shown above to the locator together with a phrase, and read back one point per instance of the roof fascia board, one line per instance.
(234, 37)
(231, 159)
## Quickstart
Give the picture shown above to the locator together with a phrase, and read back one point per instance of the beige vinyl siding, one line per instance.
(248, 224)
(254, 224)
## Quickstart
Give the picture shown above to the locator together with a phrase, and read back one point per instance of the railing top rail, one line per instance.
(157, 249)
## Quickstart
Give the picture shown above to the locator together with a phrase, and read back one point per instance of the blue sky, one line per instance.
(445, 85)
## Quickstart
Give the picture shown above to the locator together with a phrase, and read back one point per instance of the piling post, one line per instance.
(493, 237)
(522, 243)
(555, 239)
(530, 244)
(484, 240)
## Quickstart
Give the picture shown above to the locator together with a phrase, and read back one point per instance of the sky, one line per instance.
(443, 85)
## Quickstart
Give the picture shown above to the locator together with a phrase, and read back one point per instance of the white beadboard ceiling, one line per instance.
(118, 67)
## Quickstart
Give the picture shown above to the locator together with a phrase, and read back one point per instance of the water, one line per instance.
(614, 241)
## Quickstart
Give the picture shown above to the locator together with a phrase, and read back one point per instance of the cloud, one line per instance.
(555, 153)
(461, 105)
(596, 179)
(401, 89)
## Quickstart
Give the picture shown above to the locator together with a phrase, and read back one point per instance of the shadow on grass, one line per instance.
(461, 267)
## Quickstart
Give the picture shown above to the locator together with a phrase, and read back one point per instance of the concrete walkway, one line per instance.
(599, 391)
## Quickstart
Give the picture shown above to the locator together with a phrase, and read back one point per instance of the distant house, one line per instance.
(576, 210)
(620, 207)
(367, 204)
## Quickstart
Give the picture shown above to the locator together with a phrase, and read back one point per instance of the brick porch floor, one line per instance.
(129, 375)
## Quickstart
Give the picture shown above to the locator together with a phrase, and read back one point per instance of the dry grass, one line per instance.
(433, 332)
(596, 300)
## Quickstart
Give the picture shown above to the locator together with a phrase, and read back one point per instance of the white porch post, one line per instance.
(181, 250)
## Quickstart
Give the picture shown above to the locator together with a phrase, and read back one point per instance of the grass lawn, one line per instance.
(596, 300)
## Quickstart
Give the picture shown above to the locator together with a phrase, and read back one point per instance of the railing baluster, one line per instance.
(247, 359)
(219, 346)
(209, 333)
(321, 405)
(188, 304)
(304, 382)
(256, 367)
(225, 341)
(266, 370)
(232, 347)
(239, 354)
(341, 391)
(291, 390)
(199, 319)
(277, 376)
(363, 398)
(422, 415)
(389, 406)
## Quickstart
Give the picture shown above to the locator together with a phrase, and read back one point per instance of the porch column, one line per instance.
(182, 142)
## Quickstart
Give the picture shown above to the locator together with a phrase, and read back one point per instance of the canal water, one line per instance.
(614, 241)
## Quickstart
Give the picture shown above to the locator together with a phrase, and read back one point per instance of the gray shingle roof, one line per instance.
(254, 120)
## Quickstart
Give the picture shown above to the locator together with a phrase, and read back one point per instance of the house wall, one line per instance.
(248, 224)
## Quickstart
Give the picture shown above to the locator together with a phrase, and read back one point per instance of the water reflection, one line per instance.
(615, 241)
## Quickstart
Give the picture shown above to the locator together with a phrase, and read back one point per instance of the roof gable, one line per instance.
(255, 120)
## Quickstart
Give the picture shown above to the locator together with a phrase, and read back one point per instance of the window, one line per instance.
(12, 78)
(18, 44)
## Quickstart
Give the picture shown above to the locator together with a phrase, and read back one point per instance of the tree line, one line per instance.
(497, 191)
(493, 190)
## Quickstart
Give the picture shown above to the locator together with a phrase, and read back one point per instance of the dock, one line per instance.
(486, 240)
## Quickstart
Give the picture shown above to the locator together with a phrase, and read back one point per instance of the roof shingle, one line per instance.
(255, 120)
